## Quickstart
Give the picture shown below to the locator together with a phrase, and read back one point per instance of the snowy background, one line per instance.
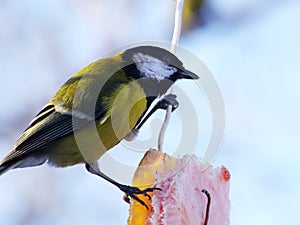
(252, 48)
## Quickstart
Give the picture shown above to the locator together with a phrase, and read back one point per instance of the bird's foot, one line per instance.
(167, 100)
(132, 192)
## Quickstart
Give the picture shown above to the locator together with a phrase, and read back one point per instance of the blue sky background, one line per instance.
(252, 49)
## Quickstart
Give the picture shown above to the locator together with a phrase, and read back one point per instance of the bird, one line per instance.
(98, 107)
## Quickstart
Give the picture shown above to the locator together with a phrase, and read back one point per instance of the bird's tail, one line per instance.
(11, 162)
(5, 166)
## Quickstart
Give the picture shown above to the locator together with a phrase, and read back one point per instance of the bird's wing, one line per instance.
(56, 119)
(47, 126)
(70, 103)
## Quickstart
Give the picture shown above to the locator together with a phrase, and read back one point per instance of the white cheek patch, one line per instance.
(152, 67)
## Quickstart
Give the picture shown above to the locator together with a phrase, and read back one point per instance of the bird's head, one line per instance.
(155, 63)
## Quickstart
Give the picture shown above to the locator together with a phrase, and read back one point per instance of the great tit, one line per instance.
(109, 97)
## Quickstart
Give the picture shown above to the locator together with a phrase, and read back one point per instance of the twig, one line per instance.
(177, 25)
(175, 39)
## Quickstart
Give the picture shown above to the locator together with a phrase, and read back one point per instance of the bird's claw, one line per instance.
(167, 100)
(132, 192)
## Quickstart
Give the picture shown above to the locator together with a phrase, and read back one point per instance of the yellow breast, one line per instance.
(126, 106)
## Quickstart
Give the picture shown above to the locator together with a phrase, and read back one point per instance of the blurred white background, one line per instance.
(251, 47)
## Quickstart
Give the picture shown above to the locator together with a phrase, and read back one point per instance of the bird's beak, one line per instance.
(186, 74)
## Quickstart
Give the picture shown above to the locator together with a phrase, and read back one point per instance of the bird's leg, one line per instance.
(167, 100)
(128, 190)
